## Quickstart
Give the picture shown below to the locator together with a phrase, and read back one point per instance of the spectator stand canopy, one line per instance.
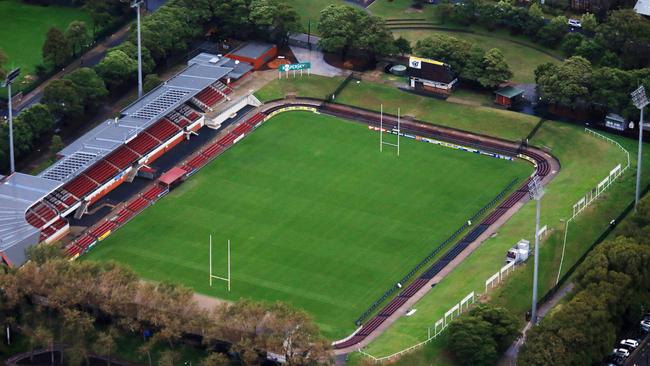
(254, 53)
(642, 7)
(172, 177)
(18, 192)
(239, 68)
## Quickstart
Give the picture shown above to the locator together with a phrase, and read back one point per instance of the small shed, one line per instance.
(255, 53)
(615, 122)
(508, 96)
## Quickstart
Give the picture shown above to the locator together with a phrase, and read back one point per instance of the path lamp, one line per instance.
(11, 77)
(640, 100)
(536, 192)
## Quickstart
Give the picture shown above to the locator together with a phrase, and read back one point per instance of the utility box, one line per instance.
(519, 253)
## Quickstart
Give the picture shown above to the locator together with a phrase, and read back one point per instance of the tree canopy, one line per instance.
(56, 49)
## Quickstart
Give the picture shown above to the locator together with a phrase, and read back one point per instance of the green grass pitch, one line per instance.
(317, 216)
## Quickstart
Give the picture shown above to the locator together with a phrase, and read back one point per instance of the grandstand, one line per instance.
(34, 208)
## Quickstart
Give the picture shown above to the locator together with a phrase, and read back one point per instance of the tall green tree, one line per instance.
(77, 36)
(64, 99)
(403, 45)
(551, 34)
(39, 119)
(90, 87)
(564, 84)
(117, 68)
(3, 61)
(495, 69)
(56, 49)
(278, 18)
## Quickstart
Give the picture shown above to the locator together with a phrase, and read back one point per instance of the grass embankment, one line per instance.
(317, 216)
(24, 28)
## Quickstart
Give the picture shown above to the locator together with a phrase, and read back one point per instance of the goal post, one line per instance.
(212, 276)
(381, 130)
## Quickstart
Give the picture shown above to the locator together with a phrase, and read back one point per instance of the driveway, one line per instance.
(318, 64)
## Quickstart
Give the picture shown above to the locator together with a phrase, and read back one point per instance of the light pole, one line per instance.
(640, 100)
(136, 4)
(11, 77)
(536, 192)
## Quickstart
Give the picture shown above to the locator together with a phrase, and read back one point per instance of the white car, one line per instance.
(645, 325)
(575, 23)
(629, 344)
(621, 352)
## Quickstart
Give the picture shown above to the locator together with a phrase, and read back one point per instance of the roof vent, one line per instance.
(214, 60)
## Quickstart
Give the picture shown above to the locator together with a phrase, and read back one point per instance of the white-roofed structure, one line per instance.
(642, 7)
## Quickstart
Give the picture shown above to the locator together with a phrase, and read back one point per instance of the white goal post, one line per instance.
(381, 130)
(227, 279)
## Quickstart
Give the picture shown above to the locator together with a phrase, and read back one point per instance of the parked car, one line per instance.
(575, 23)
(645, 325)
(630, 344)
(621, 352)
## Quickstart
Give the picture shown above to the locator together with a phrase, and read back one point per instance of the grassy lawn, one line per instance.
(489, 121)
(310, 10)
(317, 216)
(401, 9)
(523, 60)
(313, 86)
(22, 34)
(585, 160)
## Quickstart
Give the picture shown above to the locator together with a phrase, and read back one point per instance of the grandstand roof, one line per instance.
(239, 68)
(252, 50)
(108, 136)
(642, 7)
(18, 192)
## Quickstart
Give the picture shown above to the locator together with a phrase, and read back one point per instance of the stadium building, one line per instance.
(36, 209)
(431, 76)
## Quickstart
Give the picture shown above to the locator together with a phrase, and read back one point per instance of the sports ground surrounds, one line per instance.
(406, 199)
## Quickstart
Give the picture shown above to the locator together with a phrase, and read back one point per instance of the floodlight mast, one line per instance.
(11, 77)
(136, 4)
(536, 192)
(640, 101)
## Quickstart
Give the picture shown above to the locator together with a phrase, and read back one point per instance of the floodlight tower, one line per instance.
(11, 77)
(536, 192)
(136, 4)
(640, 100)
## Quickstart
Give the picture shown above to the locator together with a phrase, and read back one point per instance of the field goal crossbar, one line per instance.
(226, 279)
(381, 130)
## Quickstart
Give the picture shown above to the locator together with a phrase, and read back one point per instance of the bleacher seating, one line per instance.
(101, 172)
(253, 121)
(34, 220)
(227, 140)
(188, 112)
(124, 215)
(137, 204)
(209, 96)
(178, 119)
(102, 229)
(213, 150)
(46, 212)
(81, 244)
(142, 144)
(153, 193)
(122, 157)
(242, 129)
(163, 130)
(80, 186)
(197, 161)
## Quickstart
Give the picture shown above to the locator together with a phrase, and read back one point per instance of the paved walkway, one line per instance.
(318, 64)
(510, 357)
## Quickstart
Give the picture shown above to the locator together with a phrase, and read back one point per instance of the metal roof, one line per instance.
(509, 91)
(239, 68)
(252, 50)
(18, 192)
(108, 136)
(642, 7)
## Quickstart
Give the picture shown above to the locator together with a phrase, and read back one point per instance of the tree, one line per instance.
(374, 38)
(277, 17)
(116, 68)
(535, 10)
(43, 252)
(63, 99)
(56, 49)
(215, 359)
(403, 46)
(471, 343)
(589, 22)
(564, 84)
(56, 144)
(627, 34)
(77, 36)
(131, 50)
(151, 81)
(570, 42)
(590, 50)
(495, 69)
(43, 337)
(90, 87)
(168, 358)
(3, 61)
(105, 344)
(39, 119)
(551, 34)
(339, 26)
(77, 331)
